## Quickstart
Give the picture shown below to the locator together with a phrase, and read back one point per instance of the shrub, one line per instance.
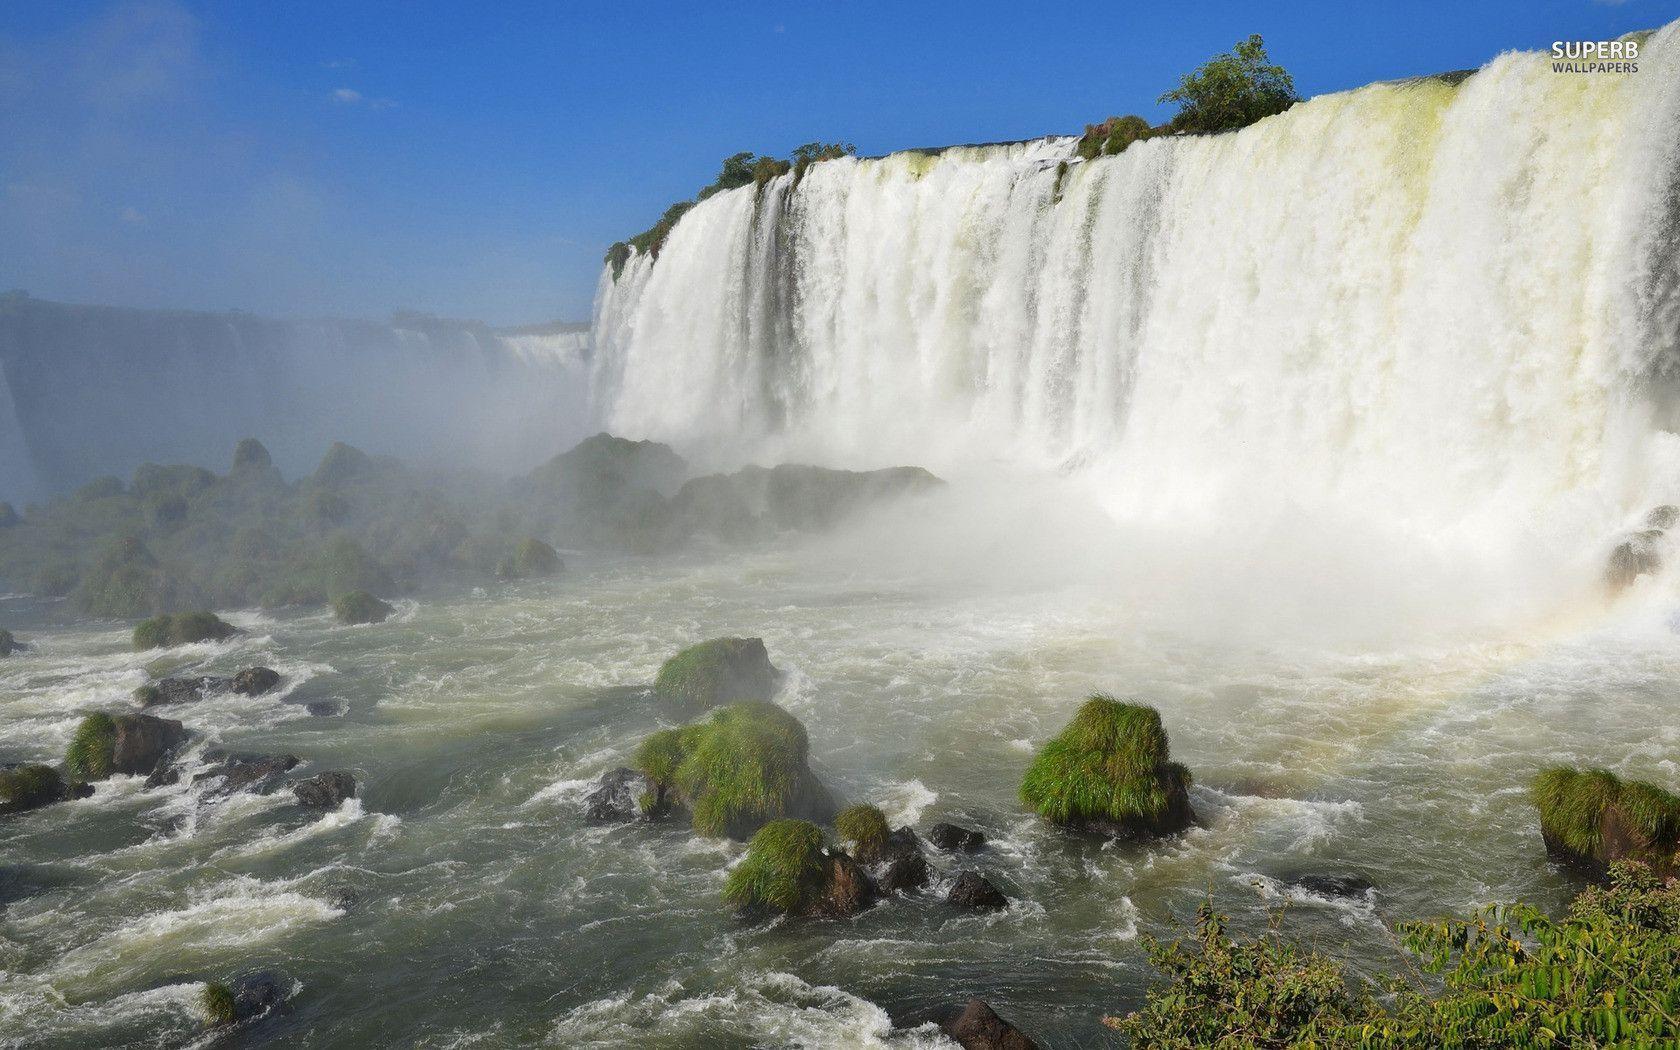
(25, 787)
(742, 767)
(866, 828)
(161, 632)
(92, 748)
(358, 607)
(716, 672)
(1592, 815)
(218, 1003)
(1110, 766)
(784, 870)
(1232, 91)
(1113, 135)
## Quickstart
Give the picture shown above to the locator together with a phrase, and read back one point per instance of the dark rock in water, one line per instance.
(325, 790)
(1662, 517)
(324, 708)
(755, 503)
(848, 889)
(9, 644)
(906, 874)
(902, 843)
(180, 690)
(257, 993)
(259, 774)
(955, 839)
(346, 899)
(360, 607)
(617, 797)
(1634, 557)
(169, 630)
(255, 681)
(26, 787)
(974, 890)
(978, 1027)
(143, 742)
(1350, 887)
(165, 774)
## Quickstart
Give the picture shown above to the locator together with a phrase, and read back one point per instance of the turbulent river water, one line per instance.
(1315, 436)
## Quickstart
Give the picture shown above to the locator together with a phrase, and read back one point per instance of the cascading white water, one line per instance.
(1453, 303)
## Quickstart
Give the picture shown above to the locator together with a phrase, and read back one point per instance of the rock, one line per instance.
(161, 632)
(905, 874)
(324, 708)
(255, 681)
(26, 787)
(257, 993)
(1347, 887)
(1590, 819)
(258, 774)
(531, 558)
(720, 671)
(1662, 517)
(180, 690)
(955, 839)
(978, 1027)
(755, 503)
(617, 797)
(144, 742)
(165, 774)
(10, 644)
(360, 607)
(325, 790)
(1636, 556)
(973, 890)
(847, 891)
(1108, 772)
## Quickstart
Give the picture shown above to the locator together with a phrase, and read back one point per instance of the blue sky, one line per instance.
(474, 160)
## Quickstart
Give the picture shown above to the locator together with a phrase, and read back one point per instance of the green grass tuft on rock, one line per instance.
(92, 749)
(161, 632)
(359, 607)
(1110, 765)
(742, 767)
(1579, 806)
(25, 787)
(531, 558)
(218, 1003)
(866, 828)
(715, 672)
(784, 870)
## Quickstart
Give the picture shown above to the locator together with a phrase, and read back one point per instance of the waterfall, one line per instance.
(1451, 301)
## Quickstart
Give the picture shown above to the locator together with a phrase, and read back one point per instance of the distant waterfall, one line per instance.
(1450, 301)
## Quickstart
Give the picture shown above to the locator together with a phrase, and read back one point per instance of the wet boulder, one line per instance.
(248, 996)
(245, 771)
(978, 1027)
(104, 744)
(26, 787)
(1590, 819)
(325, 790)
(720, 671)
(360, 607)
(1636, 556)
(181, 690)
(974, 890)
(904, 868)
(790, 870)
(617, 797)
(255, 681)
(1662, 517)
(324, 708)
(955, 839)
(1333, 886)
(847, 889)
(1108, 772)
(168, 630)
(9, 643)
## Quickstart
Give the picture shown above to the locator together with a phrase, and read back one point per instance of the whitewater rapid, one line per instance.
(1447, 303)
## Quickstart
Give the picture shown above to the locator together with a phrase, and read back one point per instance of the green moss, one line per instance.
(161, 632)
(360, 607)
(784, 869)
(1109, 764)
(1113, 135)
(743, 766)
(218, 1004)
(866, 828)
(1573, 804)
(715, 672)
(92, 748)
(531, 558)
(26, 787)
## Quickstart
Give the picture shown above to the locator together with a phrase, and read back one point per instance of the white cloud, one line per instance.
(132, 216)
(347, 96)
(351, 97)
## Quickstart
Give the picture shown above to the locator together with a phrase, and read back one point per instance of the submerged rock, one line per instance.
(1109, 773)
(255, 681)
(360, 607)
(256, 773)
(248, 996)
(720, 671)
(325, 790)
(26, 787)
(168, 630)
(1344, 887)
(617, 797)
(180, 690)
(978, 1027)
(10, 644)
(974, 890)
(955, 839)
(324, 708)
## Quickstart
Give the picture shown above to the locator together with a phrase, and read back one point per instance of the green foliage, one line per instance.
(127, 580)
(218, 1004)
(161, 632)
(1113, 135)
(784, 869)
(1110, 763)
(532, 557)
(92, 748)
(743, 766)
(359, 607)
(25, 787)
(716, 672)
(1232, 91)
(866, 828)
(1575, 804)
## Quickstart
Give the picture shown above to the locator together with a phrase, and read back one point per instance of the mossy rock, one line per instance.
(92, 748)
(359, 607)
(865, 827)
(531, 558)
(1109, 772)
(104, 744)
(744, 766)
(30, 787)
(720, 671)
(162, 632)
(217, 1002)
(785, 870)
(1590, 819)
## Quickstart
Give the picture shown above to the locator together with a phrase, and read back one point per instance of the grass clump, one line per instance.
(1593, 815)
(1110, 767)
(218, 1004)
(25, 787)
(784, 870)
(358, 607)
(716, 672)
(865, 827)
(735, 771)
(93, 748)
(532, 557)
(170, 629)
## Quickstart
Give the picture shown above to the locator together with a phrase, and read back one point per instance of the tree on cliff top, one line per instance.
(1232, 90)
